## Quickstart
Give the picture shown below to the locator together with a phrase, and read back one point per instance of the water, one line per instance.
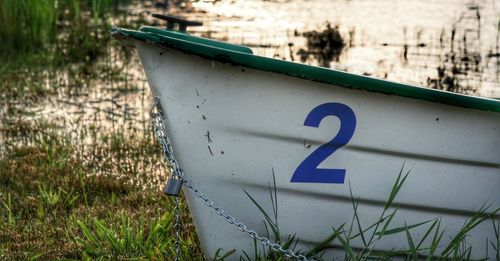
(450, 45)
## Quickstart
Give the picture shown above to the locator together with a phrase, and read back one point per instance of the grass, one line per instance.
(27, 25)
(57, 204)
(430, 246)
(36, 25)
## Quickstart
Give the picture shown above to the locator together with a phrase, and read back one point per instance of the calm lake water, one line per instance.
(451, 45)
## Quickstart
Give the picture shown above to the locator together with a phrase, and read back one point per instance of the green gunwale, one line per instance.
(239, 55)
(191, 38)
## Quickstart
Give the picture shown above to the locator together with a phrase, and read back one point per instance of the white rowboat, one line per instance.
(234, 118)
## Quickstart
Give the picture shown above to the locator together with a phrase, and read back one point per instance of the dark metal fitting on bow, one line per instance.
(172, 21)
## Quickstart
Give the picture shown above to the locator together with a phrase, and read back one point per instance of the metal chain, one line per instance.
(157, 116)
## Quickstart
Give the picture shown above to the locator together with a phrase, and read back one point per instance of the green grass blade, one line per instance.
(411, 245)
(275, 201)
(436, 240)
(356, 217)
(401, 229)
(347, 247)
(268, 219)
(397, 187)
(386, 224)
(496, 244)
(427, 233)
(478, 218)
(246, 257)
(323, 245)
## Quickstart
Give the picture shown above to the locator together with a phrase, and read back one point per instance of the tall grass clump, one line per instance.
(35, 25)
(26, 25)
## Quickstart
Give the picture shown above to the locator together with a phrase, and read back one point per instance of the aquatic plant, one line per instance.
(27, 25)
(34, 25)
(325, 46)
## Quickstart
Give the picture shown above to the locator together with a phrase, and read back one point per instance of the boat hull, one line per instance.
(232, 128)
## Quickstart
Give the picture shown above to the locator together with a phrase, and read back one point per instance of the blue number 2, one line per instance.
(308, 170)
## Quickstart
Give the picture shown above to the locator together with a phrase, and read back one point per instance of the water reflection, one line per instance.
(461, 66)
(324, 47)
(448, 45)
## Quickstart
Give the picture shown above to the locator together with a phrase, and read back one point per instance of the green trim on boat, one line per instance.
(233, 54)
(187, 37)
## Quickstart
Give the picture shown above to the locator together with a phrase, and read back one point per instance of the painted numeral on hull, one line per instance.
(308, 170)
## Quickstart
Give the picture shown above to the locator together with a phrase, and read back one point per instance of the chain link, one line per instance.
(157, 116)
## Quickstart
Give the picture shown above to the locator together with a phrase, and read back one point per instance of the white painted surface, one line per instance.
(255, 120)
